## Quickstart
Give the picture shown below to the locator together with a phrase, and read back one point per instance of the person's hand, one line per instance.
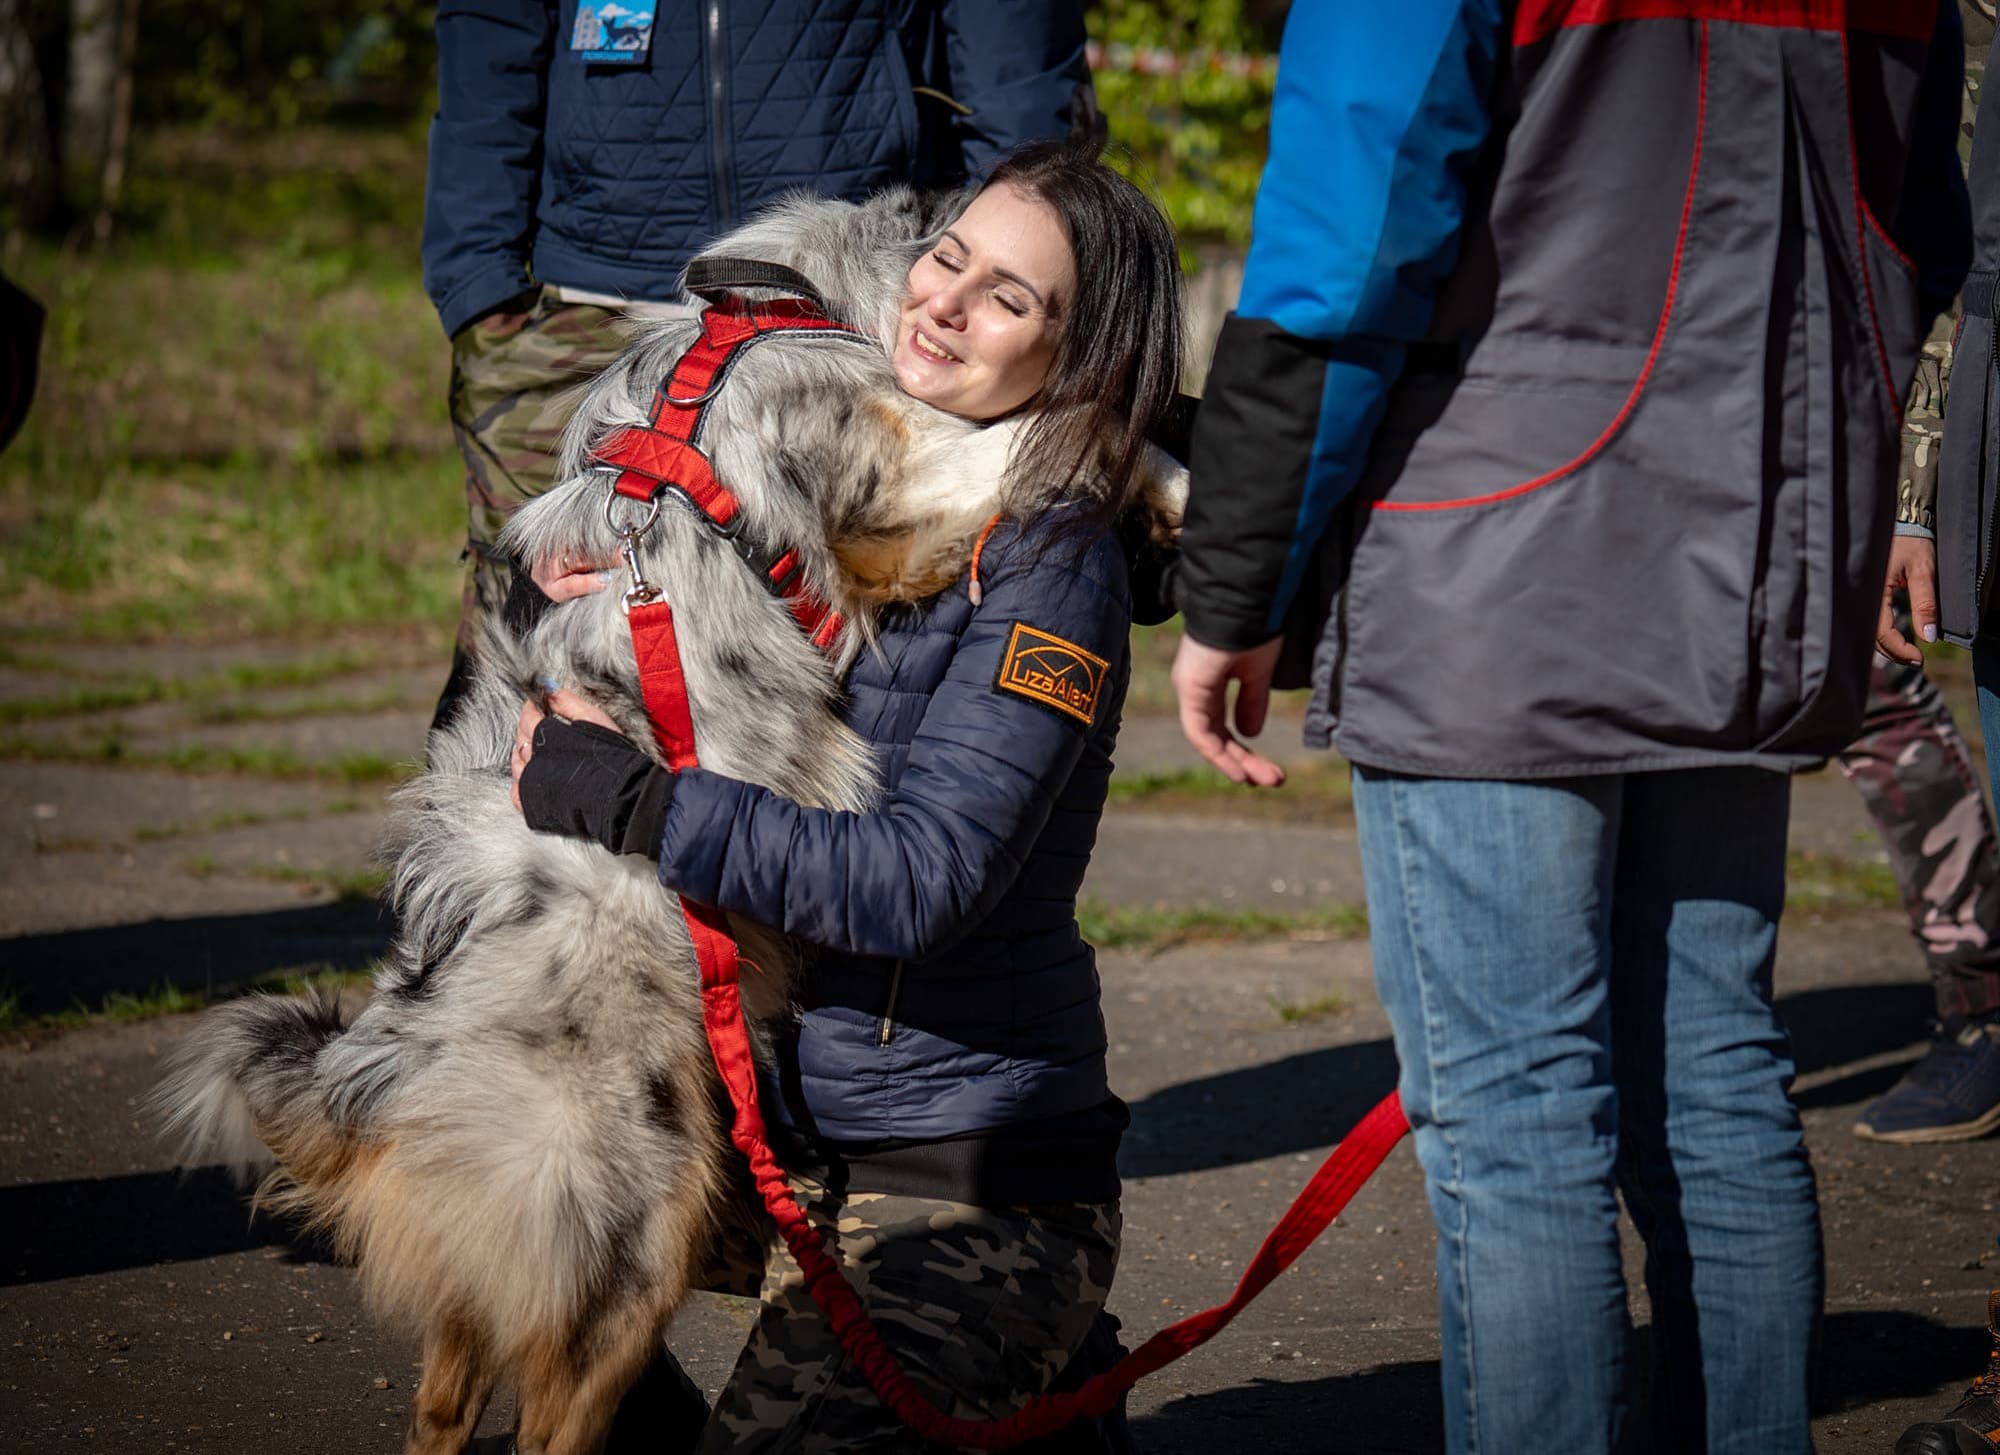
(576, 774)
(524, 745)
(564, 704)
(1201, 677)
(564, 578)
(509, 317)
(1912, 568)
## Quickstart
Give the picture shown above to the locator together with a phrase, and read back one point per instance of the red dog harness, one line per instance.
(664, 457)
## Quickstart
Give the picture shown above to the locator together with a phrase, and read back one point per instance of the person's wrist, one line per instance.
(507, 315)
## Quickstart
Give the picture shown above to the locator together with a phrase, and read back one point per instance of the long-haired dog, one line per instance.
(518, 1141)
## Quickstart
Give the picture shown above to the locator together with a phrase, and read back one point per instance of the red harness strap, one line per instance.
(665, 689)
(665, 456)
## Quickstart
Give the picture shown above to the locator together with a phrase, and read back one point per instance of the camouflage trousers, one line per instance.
(1916, 776)
(515, 381)
(984, 1307)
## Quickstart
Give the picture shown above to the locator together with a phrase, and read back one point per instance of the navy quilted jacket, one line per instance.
(608, 178)
(958, 995)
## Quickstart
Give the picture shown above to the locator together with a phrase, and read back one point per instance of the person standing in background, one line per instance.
(1917, 778)
(583, 151)
(1556, 430)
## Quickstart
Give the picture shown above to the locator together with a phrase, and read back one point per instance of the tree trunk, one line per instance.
(27, 155)
(118, 145)
(93, 79)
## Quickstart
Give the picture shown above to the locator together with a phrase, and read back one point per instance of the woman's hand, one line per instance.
(1912, 568)
(563, 578)
(564, 704)
(589, 781)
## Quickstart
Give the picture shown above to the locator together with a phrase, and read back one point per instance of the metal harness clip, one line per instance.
(641, 591)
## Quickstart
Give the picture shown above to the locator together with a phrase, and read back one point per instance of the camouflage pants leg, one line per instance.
(1916, 776)
(982, 1306)
(515, 380)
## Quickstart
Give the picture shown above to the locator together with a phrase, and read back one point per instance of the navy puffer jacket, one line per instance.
(958, 996)
(609, 178)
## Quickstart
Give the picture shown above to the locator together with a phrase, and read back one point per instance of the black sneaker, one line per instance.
(1973, 1426)
(1952, 1094)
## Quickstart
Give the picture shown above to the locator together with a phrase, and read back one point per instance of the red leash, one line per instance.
(665, 689)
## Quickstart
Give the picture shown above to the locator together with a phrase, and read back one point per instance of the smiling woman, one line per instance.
(980, 323)
(944, 1104)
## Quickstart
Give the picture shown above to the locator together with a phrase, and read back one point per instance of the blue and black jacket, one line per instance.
(1555, 426)
(607, 178)
(952, 1041)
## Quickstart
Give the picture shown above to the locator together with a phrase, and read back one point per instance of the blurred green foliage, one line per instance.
(246, 63)
(1198, 138)
(240, 421)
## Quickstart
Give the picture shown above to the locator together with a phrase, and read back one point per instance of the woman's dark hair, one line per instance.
(1117, 367)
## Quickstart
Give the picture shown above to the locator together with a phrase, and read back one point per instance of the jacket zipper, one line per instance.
(721, 162)
(886, 1032)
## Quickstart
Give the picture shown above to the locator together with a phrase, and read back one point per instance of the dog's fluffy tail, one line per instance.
(241, 1089)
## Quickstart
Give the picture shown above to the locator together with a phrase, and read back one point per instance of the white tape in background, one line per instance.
(1143, 62)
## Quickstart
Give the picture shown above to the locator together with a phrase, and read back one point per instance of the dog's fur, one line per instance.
(518, 1140)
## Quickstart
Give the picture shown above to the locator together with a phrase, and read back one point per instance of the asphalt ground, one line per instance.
(176, 844)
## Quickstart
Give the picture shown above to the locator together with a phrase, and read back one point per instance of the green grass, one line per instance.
(143, 553)
(202, 688)
(119, 1006)
(1304, 1012)
(243, 819)
(1116, 927)
(223, 713)
(1824, 881)
(1315, 792)
(240, 422)
(258, 762)
(350, 886)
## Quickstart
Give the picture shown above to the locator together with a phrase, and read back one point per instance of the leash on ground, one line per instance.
(664, 457)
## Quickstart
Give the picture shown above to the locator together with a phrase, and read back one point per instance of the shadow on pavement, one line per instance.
(1867, 1357)
(1301, 1103)
(57, 972)
(1844, 1023)
(1835, 1026)
(1391, 1409)
(1882, 1354)
(1307, 1102)
(104, 1224)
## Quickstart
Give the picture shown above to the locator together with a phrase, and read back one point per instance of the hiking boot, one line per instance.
(1973, 1426)
(1952, 1094)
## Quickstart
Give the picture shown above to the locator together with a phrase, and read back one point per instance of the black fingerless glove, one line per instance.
(590, 783)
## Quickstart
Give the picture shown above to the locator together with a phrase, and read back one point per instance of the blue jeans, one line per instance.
(1578, 973)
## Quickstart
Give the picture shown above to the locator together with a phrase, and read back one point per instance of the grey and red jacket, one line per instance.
(953, 997)
(547, 168)
(1556, 426)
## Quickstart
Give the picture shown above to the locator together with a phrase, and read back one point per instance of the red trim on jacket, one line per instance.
(1539, 19)
(1652, 354)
